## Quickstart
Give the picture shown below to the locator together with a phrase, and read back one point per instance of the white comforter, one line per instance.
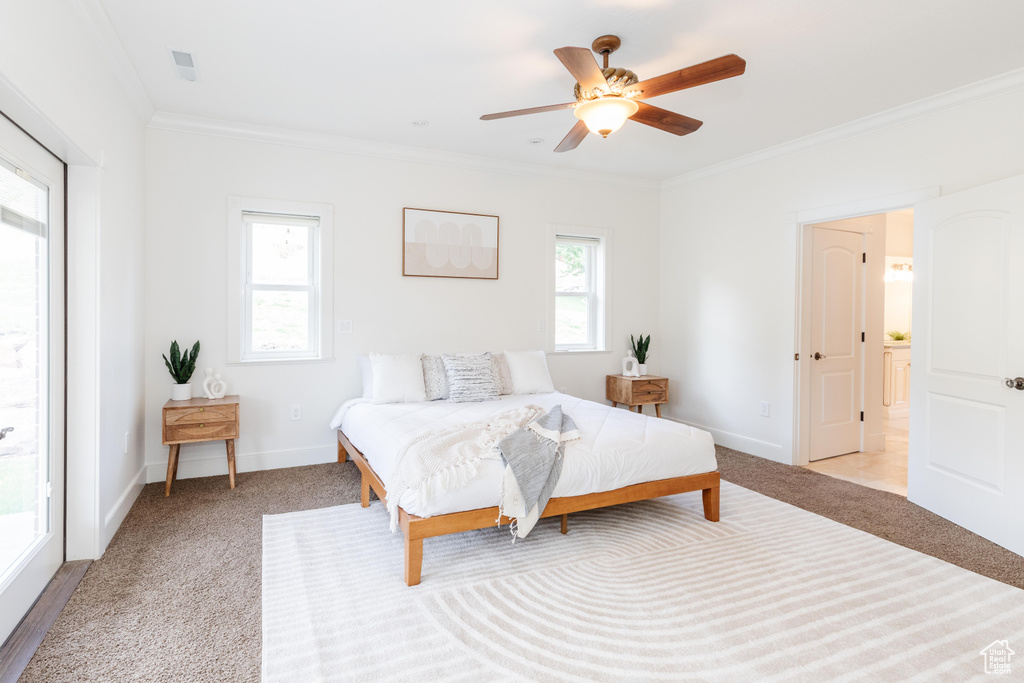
(618, 448)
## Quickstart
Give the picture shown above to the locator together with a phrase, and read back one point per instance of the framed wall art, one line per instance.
(449, 244)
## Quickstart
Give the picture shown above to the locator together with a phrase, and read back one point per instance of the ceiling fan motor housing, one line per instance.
(618, 80)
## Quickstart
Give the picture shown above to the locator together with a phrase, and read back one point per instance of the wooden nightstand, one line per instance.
(200, 419)
(637, 391)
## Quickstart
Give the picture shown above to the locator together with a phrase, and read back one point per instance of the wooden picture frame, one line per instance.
(449, 244)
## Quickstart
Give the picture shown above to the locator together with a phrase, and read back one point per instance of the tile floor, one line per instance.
(885, 470)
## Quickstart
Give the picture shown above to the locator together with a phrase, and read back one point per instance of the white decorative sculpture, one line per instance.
(630, 368)
(213, 385)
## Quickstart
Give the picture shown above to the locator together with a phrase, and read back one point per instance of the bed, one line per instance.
(621, 457)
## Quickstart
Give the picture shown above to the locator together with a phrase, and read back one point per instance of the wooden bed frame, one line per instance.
(415, 529)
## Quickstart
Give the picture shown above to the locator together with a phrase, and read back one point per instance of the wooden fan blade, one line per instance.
(665, 120)
(584, 68)
(692, 76)
(574, 138)
(523, 112)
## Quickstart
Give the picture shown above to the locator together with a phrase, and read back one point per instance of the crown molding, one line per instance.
(15, 106)
(184, 123)
(990, 87)
(106, 39)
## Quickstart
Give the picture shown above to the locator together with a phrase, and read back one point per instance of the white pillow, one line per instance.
(529, 371)
(397, 379)
(367, 374)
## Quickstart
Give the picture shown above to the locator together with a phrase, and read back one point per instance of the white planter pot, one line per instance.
(643, 369)
(181, 392)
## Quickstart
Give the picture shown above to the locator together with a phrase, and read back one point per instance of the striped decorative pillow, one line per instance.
(469, 378)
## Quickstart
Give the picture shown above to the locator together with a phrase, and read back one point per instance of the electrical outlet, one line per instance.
(344, 327)
(766, 409)
(296, 411)
(540, 325)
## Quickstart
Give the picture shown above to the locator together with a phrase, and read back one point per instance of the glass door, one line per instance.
(31, 372)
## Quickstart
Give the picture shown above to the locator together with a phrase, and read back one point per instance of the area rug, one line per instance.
(640, 592)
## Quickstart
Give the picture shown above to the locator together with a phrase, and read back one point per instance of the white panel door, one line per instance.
(967, 427)
(837, 300)
(31, 372)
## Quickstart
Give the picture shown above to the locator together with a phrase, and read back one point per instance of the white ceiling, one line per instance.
(368, 69)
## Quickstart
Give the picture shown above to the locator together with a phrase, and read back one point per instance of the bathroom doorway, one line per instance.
(882, 463)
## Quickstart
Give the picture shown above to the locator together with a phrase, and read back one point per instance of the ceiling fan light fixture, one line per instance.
(605, 115)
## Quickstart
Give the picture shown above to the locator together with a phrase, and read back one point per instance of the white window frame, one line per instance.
(240, 288)
(597, 289)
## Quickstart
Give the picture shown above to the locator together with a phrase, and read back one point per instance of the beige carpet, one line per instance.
(176, 596)
(640, 592)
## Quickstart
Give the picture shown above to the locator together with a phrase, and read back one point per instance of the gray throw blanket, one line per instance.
(533, 459)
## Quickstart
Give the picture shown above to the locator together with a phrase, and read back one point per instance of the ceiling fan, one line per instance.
(606, 97)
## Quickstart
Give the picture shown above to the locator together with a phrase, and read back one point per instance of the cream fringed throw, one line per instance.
(447, 459)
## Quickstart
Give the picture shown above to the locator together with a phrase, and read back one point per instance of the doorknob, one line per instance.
(3, 432)
(818, 356)
(1016, 383)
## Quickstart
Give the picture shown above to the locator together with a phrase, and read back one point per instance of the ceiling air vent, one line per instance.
(185, 64)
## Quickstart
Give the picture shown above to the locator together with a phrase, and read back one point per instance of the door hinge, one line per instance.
(796, 356)
(49, 489)
(862, 336)
(862, 416)
(864, 257)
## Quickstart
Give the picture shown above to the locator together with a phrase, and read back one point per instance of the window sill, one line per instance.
(279, 361)
(578, 352)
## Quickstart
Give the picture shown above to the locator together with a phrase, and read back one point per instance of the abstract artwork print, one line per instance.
(450, 244)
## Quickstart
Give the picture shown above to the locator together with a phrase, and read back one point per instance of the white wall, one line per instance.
(55, 80)
(899, 234)
(728, 256)
(188, 179)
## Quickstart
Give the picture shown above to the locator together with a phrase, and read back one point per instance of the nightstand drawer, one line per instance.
(644, 386)
(201, 431)
(644, 397)
(200, 414)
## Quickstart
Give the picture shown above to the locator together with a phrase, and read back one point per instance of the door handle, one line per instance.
(1016, 383)
(818, 356)
(3, 432)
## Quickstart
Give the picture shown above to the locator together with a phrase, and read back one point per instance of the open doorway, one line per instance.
(878, 458)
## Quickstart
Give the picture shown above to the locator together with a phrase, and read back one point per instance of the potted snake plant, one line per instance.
(181, 368)
(640, 347)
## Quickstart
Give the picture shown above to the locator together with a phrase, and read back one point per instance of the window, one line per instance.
(280, 302)
(579, 290)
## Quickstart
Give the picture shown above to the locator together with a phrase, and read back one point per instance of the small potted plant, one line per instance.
(640, 347)
(181, 368)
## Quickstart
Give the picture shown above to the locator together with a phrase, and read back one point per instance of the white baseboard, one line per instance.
(744, 444)
(211, 466)
(874, 442)
(112, 520)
